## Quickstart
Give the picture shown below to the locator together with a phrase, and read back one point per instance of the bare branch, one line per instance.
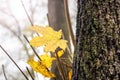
(32, 48)
(60, 67)
(14, 62)
(27, 13)
(14, 33)
(69, 21)
(10, 14)
(3, 68)
(30, 73)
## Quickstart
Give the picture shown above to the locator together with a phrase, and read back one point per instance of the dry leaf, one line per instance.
(40, 68)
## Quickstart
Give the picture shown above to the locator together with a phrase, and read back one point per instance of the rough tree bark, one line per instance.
(97, 54)
(57, 20)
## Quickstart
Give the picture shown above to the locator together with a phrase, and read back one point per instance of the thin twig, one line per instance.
(14, 33)
(68, 49)
(61, 74)
(14, 62)
(67, 65)
(69, 21)
(69, 53)
(48, 19)
(27, 13)
(60, 65)
(15, 19)
(30, 73)
(32, 48)
(3, 68)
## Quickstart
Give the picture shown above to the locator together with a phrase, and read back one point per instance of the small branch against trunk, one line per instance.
(48, 19)
(60, 66)
(69, 21)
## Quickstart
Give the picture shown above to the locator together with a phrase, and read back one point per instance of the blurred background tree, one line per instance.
(58, 20)
(14, 23)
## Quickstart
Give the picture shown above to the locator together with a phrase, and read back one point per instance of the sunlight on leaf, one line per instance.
(47, 32)
(37, 41)
(40, 68)
(53, 45)
(51, 39)
(47, 60)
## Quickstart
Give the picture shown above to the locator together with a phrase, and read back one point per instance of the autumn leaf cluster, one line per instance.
(51, 40)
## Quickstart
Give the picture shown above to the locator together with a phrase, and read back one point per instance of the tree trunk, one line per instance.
(97, 53)
(57, 20)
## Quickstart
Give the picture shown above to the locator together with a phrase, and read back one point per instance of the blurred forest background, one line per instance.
(14, 22)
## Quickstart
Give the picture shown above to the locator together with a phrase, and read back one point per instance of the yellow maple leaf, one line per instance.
(47, 60)
(51, 39)
(47, 32)
(60, 53)
(53, 45)
(40, 68)
(37, 41)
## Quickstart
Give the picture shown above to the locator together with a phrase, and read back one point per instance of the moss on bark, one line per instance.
(97, 54)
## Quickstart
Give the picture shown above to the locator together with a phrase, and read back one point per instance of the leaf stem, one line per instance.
(60, 65)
